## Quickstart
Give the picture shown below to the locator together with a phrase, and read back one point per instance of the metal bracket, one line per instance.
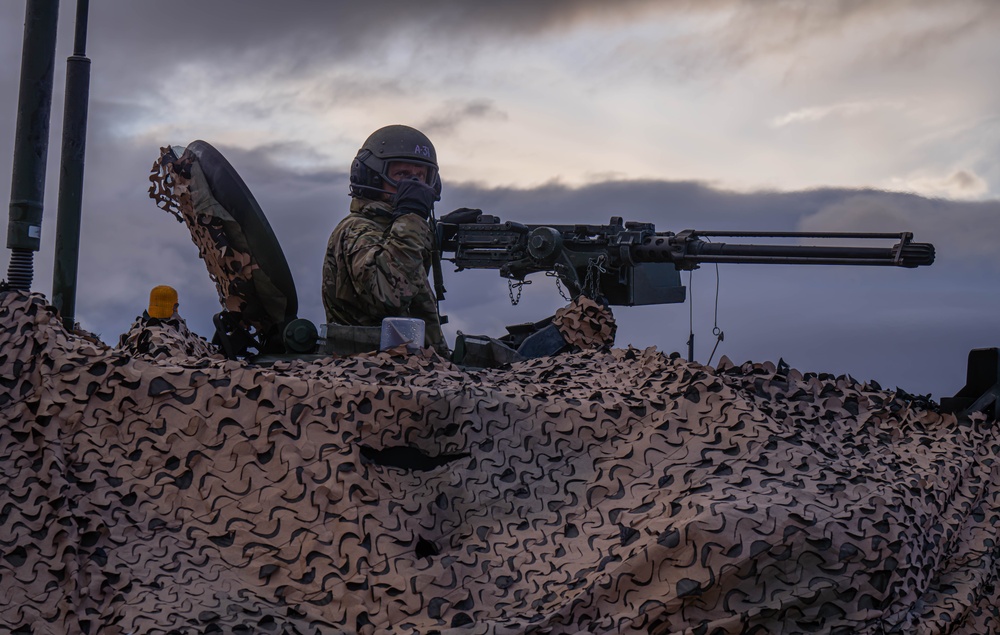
(982, 385)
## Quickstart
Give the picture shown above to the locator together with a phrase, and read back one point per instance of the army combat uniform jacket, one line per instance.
(376, 266)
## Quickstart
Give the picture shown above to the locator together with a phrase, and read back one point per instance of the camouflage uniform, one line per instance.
(376, 266)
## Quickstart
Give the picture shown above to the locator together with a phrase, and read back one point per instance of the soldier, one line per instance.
(378, 257)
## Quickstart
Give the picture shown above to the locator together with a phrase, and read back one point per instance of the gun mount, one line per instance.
(630, 263)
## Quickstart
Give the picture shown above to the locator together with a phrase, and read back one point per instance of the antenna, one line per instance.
(74, 143)
(31, 141)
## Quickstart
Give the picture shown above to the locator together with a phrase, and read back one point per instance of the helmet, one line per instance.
(369, 171)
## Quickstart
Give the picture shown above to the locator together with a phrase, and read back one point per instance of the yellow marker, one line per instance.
(162, 302)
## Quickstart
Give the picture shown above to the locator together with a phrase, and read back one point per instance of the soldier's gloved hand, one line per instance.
(461, 216)
(414, 197)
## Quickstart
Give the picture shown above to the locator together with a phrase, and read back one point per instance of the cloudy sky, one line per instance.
(716, 114)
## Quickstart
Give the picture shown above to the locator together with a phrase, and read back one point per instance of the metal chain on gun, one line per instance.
(562, 291)
(511, 285)
(592, 283)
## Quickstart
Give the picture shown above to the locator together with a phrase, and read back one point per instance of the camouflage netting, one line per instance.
(612, 491)
(178, 186)
(152, 338)
(585, 324)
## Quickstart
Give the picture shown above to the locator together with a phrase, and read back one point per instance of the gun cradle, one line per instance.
(586, 258)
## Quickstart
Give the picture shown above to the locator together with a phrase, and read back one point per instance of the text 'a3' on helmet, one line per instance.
(370, 168)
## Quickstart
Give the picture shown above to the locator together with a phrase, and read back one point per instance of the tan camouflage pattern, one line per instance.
(585, 324)
(152, 338)
(376, 266)
(179, 187)
(609, 491)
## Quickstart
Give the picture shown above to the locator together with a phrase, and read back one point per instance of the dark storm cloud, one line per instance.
(963, 231)
(909, 32)
(10, 49)
(453, 114)
(297, 36)
(242, 25)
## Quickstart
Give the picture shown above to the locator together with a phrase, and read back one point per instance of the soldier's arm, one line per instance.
(388, 268)
(331, 279)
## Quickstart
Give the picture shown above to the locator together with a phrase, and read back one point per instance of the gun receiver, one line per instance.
(632, 264)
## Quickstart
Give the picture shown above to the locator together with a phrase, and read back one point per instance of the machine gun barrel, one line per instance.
(686, 250)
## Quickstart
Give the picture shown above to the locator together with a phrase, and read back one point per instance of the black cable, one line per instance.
(690, 341)
(716, 331)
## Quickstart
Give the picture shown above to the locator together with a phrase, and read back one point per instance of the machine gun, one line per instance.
(629, 264)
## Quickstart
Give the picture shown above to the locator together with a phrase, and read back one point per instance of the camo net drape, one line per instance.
(178, 186)
(617, 491)
(151, 338)
(585, 324)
